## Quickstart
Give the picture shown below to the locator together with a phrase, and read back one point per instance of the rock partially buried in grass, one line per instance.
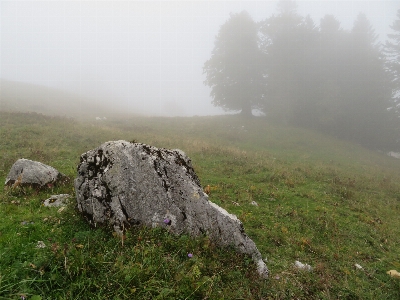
(299, 265)
(56, 200)
(394, 274)
(25, 172)
(122, 183)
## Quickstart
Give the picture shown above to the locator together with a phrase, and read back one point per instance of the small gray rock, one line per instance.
(25, 172)
(301, 266)
(122, 183)
(40, 245)
(56, 200)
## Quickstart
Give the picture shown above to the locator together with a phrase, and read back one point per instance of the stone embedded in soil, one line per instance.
(122, 184)
(57, 200)
(25, 172)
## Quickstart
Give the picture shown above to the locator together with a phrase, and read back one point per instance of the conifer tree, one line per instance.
(235, 70)
(392, 49)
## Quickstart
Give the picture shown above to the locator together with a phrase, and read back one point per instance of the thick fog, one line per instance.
(140, 56)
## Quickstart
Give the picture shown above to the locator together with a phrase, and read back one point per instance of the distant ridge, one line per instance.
(25, 97)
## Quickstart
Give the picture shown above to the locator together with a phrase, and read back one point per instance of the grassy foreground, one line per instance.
(321, 201)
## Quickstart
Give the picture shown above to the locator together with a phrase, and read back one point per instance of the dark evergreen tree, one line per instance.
(289, 41)
(330, 79)
(326, 78)
(365, 88)
(331, 63)
(392, 50)
(235, 70)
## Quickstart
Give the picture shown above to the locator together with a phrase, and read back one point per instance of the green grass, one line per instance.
(322, 201)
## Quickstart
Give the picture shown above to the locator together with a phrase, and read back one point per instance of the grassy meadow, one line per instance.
(321, 201)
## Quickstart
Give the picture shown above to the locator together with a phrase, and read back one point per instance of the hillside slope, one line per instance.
(26, 97)
(321, 201)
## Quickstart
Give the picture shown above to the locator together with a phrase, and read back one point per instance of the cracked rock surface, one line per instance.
(122, 183)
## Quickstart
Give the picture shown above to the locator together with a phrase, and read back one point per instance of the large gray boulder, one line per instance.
(25, 172)
(122, 183)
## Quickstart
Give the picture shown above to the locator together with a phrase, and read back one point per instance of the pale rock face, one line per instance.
(122, 184)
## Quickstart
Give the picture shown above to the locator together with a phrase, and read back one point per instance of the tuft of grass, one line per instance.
(325, 202)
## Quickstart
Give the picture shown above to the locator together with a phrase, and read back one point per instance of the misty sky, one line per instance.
(142, 56)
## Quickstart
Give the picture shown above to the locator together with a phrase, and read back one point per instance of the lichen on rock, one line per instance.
(122, 183)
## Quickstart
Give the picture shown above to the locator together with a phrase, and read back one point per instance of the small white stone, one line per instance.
(56, 200)
(302, 266)
(40, 244)
(358, 266)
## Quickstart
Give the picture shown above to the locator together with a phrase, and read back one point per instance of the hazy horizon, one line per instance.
(140, 56)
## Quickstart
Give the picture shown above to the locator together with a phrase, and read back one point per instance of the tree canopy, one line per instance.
(234, 71)
(290, 55)
(324, 77)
